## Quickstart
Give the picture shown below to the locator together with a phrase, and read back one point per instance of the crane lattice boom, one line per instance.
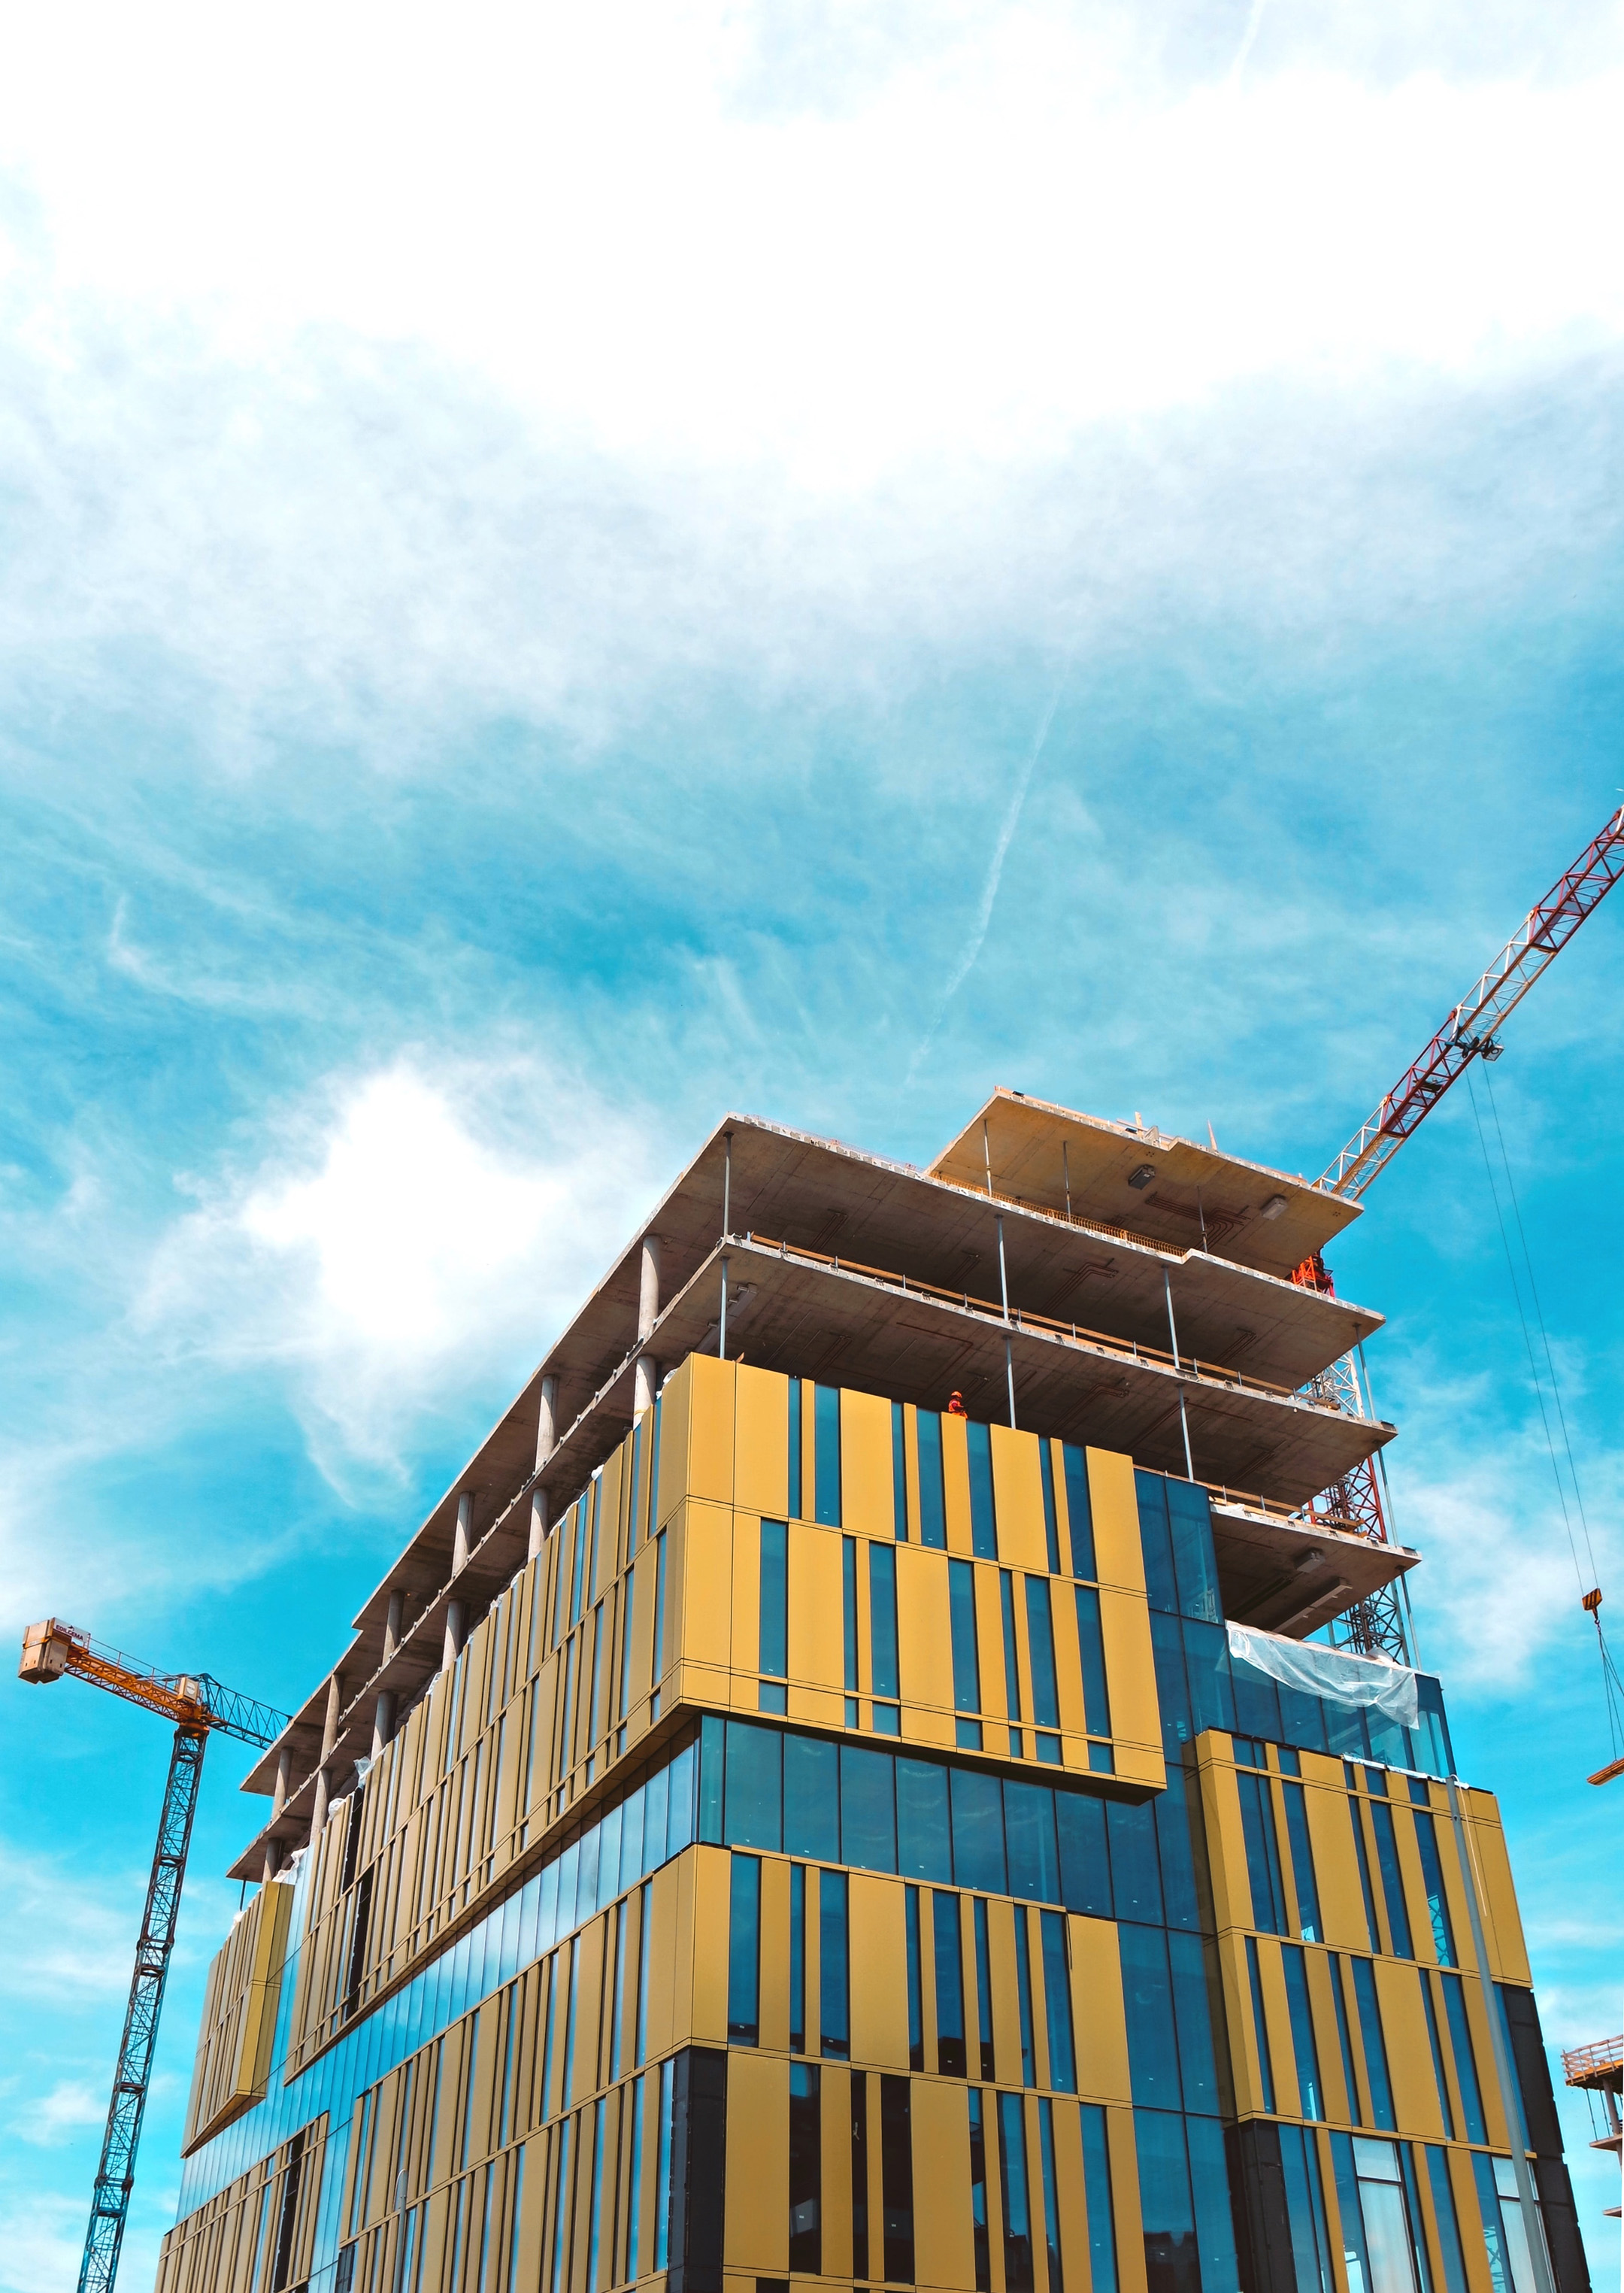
(200, 1706)
(1469, 1030)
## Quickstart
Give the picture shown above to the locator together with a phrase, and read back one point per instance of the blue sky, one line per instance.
(535, 559)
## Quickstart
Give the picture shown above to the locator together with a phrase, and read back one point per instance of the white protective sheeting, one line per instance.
(1386, 1688)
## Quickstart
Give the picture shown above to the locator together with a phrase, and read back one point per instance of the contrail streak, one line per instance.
(990, 890)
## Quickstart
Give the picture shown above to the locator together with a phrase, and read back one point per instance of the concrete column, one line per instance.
(329, 1725)
(319, 1812)
(456, 1632)
(392, 1622)
(645, 1374)
(273, 1861)
(464, 1539)
(382, 1720)
(278, 1800)
(546, 1441)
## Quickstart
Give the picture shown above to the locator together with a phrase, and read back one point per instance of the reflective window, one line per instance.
(1363, 1861)
(1023, 1996)
(882, 1618)
(1057, 2004)
(1310, 2100)
(744, 1952)
(1080, 1512)
(983, 1986)
(868, 1810)
(897, 2178)
(932, 1504)
(1375, 2044)
(916, 1980)
(755, 1798)
(1091, 1650)
(1445, 2108)
(859, 2174)
(1040, 1643)
(978, 1830)
(797, 1958)
(1013, 2188)
(1449, 2224)
(1392, 1882)
(826, 1419)
(774, 1652)
(983, 1524)
(1432, 1877)
(1299, 2158)
(834, 1968)
(1260, 2024)
(978, 2191)
(1377, 2234)
(797, 1510)
(1197, 2010)
(1262, 1855)
(1171, 2259)
(1466, 2060)
(805, 2169)
(966, 1666)
(1097, 2198)
(924, 1839)
(949, 1970)
(1050, 2190)
(811, 1798)
(1152, 2040)
(899, 1475)
(1302, 1864)
(1051, 1523)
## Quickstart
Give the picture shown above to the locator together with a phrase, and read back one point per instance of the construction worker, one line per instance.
(956, 1406)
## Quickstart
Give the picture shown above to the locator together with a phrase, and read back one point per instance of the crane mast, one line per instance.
(200, 1705)
(1375, 1626)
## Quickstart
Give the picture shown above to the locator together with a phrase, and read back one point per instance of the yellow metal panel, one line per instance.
(911, 1467)
(664, 1907)
(1328, 2043)
(1125, 2198)
(1142, 1764)
(956, 1481)
(1482, 2049)
(817, 1643)
(1130, 1671)
(710, 1428)
(775, 1954)
(1331, 1835)
(1409, 2060)
(1467, 2210)
(698, 1582)
(1017, 1489)
(1275, 2007)
(711, 1873)
(744, 1654)
(607, 1558)
(1244, 2066)
(1502, 1922)
(1068, 2179)
(1068, 1661)
(1118, 1553)
(761, 1442)
(944, 2251)
(675, 1411)
(879, 1973)
(866, 1502)
(757, 2211)
(989, 1637)
(588, 1979)
(923, 1627)
(834, 2099)
(1097, 2012)
(1005, 1991)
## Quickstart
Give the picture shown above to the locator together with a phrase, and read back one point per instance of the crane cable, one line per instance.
(1589, 1596)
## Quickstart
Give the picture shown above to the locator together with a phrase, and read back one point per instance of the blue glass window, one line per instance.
(1449, 2222)
(662, 2172)
(899, 1475)
(859, 2174)
(659, 1641)
(966, 1666)
(983, 1524)
(1084, 1867)
(1375, 2045)
(1444, 2108)
(1260, 2023)
(1135, 1874)
(1344, 2038)
(1012, 2184)
(797, 1510)
(1028, 1833)
(834, 1968)
(1194, 1564)
(1023, 1997)
(1152, 2037)
(1012, 1670)
(1040, 1643)
(811, 1798)
(978, 1830)
(1161, 1587)
(1302, 1864)
(868, 1810)
(775, 1599)
(1172, 2261)
(805, 2169)
(1051, 1522)
(797, 1958)
(1262, 1855)
(1437, 1902)
(1057, 2004)
(1196, 1996)
(563, 2182)
(1051, 2194)
(1363, 1861)
(1393, 1883)
(1311, 2101)
(636, 2262)
(1466, 2060)
(932, 1501)
(897, 2177)
(1299, 2158)
(826, 1415)
(1080, 1512)
(949, 1966)
(883, 1617)
(755, 1802)
(983, 1985)
(1097, 2198)
(924, 1838)
(1090, 1649)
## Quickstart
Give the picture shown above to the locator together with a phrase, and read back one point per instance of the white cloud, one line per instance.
(55, 2117)
(412, 1234)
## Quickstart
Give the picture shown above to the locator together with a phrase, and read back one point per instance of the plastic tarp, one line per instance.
(1388, 1688)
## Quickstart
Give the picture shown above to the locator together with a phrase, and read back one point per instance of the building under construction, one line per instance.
(841, 1788)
